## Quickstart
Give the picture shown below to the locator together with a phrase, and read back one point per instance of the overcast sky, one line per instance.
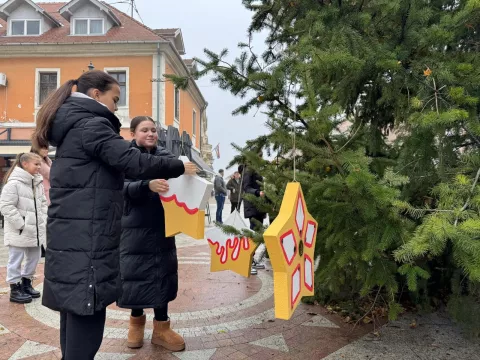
(211, 24)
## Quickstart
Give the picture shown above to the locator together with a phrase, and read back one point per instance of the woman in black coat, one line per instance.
(148, 260)
(252, 184)
(83, 230)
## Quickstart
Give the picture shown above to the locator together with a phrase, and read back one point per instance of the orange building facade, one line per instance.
(32, 66)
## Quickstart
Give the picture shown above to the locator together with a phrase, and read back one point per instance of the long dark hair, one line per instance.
(138, 120)
(21, 158)
(95, 79)
(36, 150)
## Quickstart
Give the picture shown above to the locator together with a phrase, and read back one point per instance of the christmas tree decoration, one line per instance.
(290, 242)
(230, 252)
(185, 204)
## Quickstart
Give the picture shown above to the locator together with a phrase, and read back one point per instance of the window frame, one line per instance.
(126, 70)
(25, 22)
(74, 23)
(38, 72)
(194, 124)
(176, 99)
(116, 75)
(123, 112)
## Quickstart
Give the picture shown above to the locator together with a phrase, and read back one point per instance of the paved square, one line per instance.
(221, 315)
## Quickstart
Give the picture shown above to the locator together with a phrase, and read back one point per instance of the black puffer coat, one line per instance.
(251, 185)
(83, 228)
(148, 260)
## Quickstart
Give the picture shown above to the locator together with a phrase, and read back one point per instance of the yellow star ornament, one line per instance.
(229, 252)
(184, 204)
(290, 241)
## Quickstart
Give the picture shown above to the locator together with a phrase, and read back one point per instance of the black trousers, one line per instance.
(254, 226)
(81, 336)
(234, 206)
(161, 314)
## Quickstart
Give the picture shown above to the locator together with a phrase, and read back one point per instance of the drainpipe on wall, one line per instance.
(202, 112)
(159, 125)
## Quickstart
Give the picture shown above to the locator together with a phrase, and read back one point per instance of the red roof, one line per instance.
(131, 30)
(167, 31)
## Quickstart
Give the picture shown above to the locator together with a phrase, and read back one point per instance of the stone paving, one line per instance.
(435, 337)
(221, 315)
(225, 316)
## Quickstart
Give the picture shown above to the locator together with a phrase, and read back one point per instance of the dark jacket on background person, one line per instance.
(219, 186)
(83, 233)
(251, 185)
(234, 186)
(148, 260)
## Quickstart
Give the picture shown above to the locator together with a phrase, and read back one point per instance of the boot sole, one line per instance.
(134, 345)
(27, 301)
(168, 346)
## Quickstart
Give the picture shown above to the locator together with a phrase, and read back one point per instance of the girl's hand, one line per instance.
(158, 186)
(190, 168)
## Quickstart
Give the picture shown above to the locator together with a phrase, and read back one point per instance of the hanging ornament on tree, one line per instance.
(230, 252)
(185, 204)
(290, 242)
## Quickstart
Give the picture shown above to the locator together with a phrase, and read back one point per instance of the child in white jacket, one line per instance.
(24, 207)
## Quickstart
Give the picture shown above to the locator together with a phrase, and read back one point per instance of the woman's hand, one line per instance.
(190, 168)
(158, 186)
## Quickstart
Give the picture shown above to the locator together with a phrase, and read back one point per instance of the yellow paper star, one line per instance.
(184, 205)
(290, 242)
(181, 219)
(230, 252)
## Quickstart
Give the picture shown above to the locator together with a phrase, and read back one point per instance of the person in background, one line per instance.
(234, 186)
(44, 169)
(24, 207)
(82, 264)
(251, 184)
(148, 259)
(45, 172)
(220, 194)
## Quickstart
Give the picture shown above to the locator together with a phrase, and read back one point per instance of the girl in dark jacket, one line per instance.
(148, 260)
(83, 229)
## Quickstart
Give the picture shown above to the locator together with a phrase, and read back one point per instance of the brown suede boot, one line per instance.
(136, 331)
(164, 336)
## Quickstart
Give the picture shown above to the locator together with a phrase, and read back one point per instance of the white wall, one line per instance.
(26, 12)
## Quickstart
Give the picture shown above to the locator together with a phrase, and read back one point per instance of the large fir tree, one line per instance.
(396, 195)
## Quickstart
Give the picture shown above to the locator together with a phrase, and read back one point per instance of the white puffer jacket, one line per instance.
(24, 206)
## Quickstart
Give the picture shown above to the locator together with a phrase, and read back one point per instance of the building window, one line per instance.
(96, 27)
(194, 123)
(177, 104)
(47, 84)
(121, 77)
(88, 27)
(25, 27)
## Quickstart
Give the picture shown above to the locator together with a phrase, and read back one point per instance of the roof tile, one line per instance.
(131, 30)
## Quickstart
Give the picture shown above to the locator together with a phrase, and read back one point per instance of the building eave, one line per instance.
(181, 69)
(82, 43)
(179, 37)
(110, 48)
(175, 35)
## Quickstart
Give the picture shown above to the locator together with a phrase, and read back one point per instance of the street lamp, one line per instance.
(90, 66)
